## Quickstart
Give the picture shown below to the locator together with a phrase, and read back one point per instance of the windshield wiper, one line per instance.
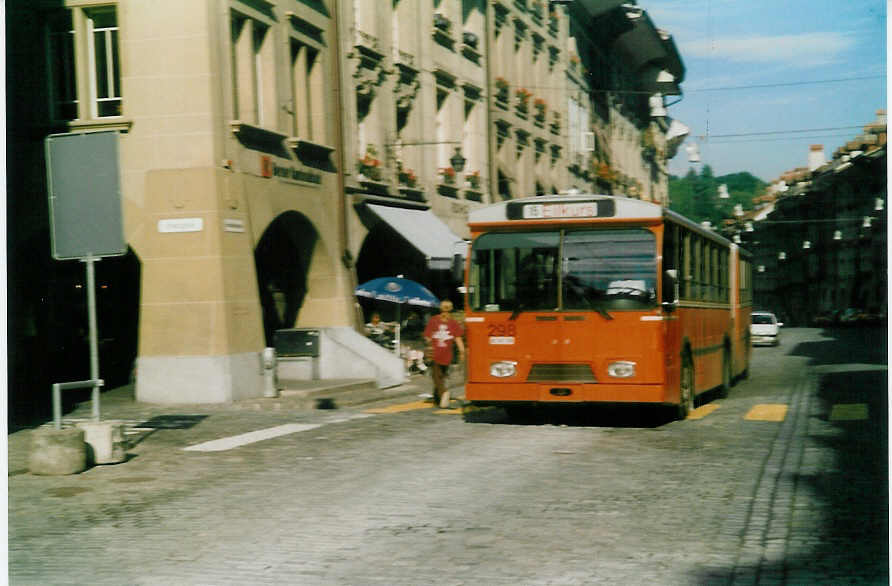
(596, 305)
(518, 307)
(601, 311)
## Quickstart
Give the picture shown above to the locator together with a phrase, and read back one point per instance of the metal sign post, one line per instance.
(83, 178)
(94, 332)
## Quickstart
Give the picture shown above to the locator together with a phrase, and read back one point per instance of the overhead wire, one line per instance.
(780, 139)
(787, 83)
(786, 131)
(709, 137)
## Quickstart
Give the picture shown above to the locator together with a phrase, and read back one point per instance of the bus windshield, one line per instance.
(572, 270)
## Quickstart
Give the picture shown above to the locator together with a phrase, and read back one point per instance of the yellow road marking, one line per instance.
(702, 411)
(449, 411)
(402, 407)
(849, 412)
(767, 412)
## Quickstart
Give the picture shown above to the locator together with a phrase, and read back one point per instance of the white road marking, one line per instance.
(235, 441)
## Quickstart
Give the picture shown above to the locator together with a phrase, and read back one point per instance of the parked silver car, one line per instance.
(765, 329)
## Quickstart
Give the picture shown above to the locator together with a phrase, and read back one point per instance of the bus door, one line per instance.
(672, 272)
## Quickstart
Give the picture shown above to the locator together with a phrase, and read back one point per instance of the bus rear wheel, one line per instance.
(686, 395)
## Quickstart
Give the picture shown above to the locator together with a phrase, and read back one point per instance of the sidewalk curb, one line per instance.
(120, 405)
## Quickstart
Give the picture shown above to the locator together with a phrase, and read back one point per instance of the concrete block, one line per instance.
(57, 452)
(105, 441)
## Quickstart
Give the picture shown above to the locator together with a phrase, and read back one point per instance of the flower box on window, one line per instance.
(553, 22)
(473, 179)
(523, 99)
(541, 107)
(369, 165)
(555, 122)
(448, 175)
(502, 89)
(407, 177)
(536, 10)
(606, 173)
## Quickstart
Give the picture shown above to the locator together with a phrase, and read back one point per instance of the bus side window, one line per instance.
(696, 268)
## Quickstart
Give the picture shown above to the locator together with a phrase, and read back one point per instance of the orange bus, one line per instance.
(601, 299)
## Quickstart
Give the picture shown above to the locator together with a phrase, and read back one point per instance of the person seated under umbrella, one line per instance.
(379, 331)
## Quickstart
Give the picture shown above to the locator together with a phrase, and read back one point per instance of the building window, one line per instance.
(62, 66)
(91, 33)
(240, 85)
(259, 35)
(253, 79)
(102, 24)
(306, 87)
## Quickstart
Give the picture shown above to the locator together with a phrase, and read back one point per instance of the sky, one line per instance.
(767, 78)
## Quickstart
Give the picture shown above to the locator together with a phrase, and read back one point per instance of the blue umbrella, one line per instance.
(398, 290)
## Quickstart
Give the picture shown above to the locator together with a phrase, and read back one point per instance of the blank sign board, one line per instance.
(84, 185)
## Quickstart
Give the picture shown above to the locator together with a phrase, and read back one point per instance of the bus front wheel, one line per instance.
(686, 395)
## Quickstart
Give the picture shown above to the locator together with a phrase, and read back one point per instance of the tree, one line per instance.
(705, 189)
(696, 196)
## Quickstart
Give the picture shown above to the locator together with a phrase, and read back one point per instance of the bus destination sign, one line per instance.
(561, 210)
(542, 211)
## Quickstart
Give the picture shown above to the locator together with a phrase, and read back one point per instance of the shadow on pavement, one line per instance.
(848, 433)
(631, 416)
(860, 345)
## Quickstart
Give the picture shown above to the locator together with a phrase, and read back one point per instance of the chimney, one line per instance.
(816, 156)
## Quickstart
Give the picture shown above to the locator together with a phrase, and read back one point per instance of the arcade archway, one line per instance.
(282, 258)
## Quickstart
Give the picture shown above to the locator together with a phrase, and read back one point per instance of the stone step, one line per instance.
(302, 395)
(353, 395)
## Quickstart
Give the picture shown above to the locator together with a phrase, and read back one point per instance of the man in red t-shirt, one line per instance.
(441, 333)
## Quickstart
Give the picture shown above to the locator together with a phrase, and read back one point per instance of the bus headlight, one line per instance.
(502, 369)
(621, 369)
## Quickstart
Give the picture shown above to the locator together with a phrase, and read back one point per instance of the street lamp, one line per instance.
(457, 161)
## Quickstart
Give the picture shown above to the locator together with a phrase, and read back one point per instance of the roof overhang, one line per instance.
(596, 8)
(651, 51)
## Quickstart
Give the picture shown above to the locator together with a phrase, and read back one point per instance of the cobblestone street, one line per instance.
(407, 494)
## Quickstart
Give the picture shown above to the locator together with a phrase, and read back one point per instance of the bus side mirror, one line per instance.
(458, 268)
(670, 289)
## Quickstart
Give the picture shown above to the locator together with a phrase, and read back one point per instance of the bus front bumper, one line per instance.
(504, 393)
